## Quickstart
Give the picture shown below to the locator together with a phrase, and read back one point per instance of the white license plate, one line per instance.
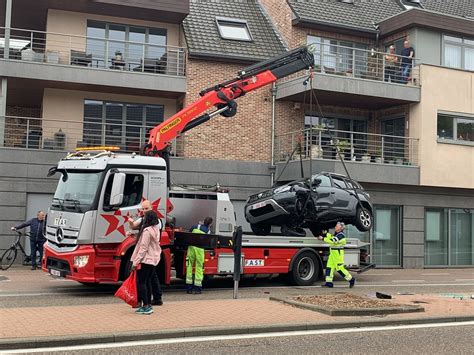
(55, 272)
(258, 205)
(254, 262)
(60, 222)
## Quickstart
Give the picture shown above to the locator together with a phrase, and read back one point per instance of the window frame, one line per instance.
(454, 116)
(463, 43)
(233, 21)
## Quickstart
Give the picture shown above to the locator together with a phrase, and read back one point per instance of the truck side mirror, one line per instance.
(116, 195)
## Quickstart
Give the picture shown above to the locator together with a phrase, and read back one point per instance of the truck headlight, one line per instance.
(81, 261)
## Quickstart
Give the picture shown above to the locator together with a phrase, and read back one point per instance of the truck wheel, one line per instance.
(261, 229)
(306, 269)
(363, 220)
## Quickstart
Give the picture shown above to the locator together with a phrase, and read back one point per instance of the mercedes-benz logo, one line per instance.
(59, 235)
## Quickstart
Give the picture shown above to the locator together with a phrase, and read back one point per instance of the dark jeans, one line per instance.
(155, 285)
(144, 276)
(36, 245)
(392, 73)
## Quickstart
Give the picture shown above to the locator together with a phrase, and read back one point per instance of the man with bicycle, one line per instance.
(37, 236)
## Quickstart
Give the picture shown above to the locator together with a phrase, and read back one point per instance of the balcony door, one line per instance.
(393, 147)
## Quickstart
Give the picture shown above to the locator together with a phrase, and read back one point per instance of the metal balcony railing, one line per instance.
(91, 52)
(358, 63)
(354, 146)
(54, 134)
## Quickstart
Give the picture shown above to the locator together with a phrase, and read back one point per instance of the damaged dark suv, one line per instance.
(317, 204)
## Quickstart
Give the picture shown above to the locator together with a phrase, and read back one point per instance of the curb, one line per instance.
(351, 311)
(83, 339)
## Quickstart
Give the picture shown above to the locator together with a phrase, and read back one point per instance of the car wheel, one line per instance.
(261, 229)
(306, 269)
(364, 219)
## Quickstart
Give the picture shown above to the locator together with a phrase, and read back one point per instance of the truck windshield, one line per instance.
(77, 193)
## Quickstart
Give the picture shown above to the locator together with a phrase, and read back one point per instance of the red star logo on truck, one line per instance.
(116, 223)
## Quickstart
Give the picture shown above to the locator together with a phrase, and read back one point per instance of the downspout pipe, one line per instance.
(272, 160)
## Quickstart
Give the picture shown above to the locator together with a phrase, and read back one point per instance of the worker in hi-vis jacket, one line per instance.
(336, 256)
(195, 257)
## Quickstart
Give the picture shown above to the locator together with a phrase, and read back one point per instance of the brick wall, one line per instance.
(246, 136)
(16, 127)
(280, 13)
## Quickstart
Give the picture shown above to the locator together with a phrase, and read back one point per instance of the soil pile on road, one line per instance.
(345, 301)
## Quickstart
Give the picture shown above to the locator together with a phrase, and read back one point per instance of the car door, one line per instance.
(325, 197)
(342, 197)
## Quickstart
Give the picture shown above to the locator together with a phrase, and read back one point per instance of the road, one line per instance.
(20, 286)
(423, 339)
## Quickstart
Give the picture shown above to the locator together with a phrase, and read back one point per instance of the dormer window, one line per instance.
(234, 29)
(412, 4)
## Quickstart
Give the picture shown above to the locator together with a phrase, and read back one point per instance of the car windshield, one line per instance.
(77, 193)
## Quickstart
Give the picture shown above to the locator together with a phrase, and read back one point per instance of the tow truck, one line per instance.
(101, 188)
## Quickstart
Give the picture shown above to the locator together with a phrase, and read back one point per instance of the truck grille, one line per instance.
(260, 196)
(58, 264)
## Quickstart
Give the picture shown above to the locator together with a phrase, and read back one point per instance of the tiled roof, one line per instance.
(202, 34)
(361, 14)
(463, 8)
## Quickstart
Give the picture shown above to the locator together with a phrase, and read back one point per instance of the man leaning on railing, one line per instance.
(407, 54)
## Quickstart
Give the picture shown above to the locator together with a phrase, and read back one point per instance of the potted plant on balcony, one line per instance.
(378, 156)
(366, 157)
(342, 145)
(118, 55)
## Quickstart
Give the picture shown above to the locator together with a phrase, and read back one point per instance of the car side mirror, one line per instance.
(116, 195)
(316, 182)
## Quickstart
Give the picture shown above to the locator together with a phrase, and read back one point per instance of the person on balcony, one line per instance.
(407, 54)
(391, 65)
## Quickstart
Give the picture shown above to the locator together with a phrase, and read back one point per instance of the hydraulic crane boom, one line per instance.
(222, 97)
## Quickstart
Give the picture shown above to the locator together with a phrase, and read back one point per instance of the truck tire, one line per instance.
(261, 229)
(306, 269)
(364, 219)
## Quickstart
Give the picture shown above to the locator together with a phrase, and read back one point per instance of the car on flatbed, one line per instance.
(317, 204)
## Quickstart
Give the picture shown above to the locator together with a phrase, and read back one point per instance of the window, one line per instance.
(122, 124)
(325, 180)
(233, 29)
(449, 236)
(105, 41)
(333, 56)
(132, 194)
(458, 52)
(455, 128)
(386, 235)
(339, 182)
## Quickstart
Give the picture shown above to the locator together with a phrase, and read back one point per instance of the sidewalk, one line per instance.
(72, 325)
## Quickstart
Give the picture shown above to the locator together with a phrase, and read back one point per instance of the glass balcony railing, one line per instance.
(91, 52)
(353, 146)
(55, 134)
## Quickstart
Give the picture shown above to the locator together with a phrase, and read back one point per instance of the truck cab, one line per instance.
(87, 225)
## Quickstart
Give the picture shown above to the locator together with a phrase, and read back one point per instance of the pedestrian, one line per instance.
(407, 55)
(155, 281)
(195, 257)
(391, 63)
(145, 257)
(37, 236)
(336, 256)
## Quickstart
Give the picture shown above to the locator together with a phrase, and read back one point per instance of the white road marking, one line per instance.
(464, 279)
(436, 274)
(408, 280)
(378, 275)
(236, 337)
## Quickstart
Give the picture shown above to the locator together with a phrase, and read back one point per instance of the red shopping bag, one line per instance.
(128, 290)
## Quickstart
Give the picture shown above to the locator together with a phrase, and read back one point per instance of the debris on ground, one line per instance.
(344, 301)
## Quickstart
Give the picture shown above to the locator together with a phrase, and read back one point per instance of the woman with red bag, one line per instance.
(145, 257)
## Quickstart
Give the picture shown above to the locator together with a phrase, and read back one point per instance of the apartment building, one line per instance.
(105, 71)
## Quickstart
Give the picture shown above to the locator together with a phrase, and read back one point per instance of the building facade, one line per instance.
(105, 72)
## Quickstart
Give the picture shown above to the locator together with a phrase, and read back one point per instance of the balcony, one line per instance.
(78, 61)
(61, 135)
(358, 77)
(369, 157)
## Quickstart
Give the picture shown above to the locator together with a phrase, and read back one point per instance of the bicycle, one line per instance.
(9, 256)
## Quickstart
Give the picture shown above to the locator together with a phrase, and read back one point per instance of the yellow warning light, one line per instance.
(97, 148)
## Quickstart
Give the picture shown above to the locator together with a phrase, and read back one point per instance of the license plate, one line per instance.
(55, 272)
(254, 262)
(258, 205)
(60, 222)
